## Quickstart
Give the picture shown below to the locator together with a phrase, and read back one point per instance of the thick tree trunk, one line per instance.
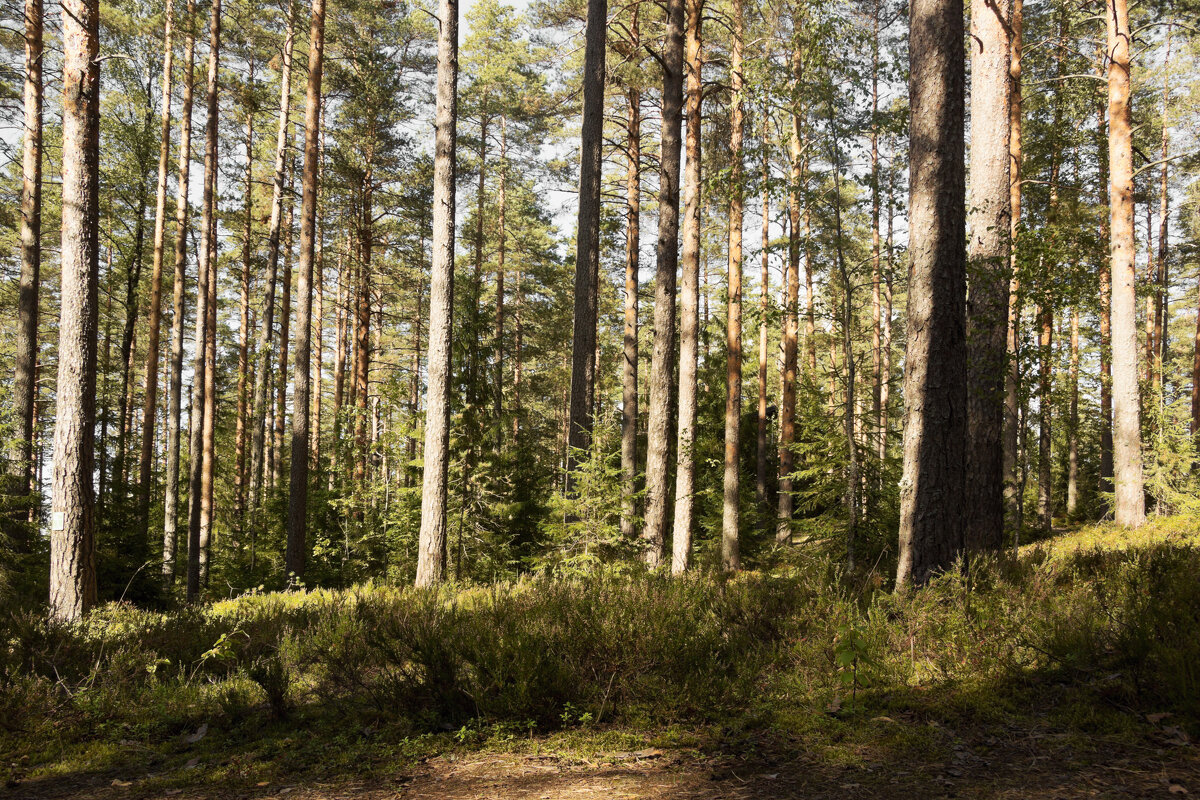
(297, 547)
(24, 395)
(990, 272)
(200, 468)
(733, 327)
(150, 403)
(689, 312)
(72, 519)
(587, 248)
(662, 360)
(262, 371)
(629, 366)
(935, 387)
(1130, 505)
(178, 295)
(431, 557)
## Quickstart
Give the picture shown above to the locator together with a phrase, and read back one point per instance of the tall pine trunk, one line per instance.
(1130, 503)
(760, 465)
(733, 326)
(629, 366)
(935, 385)
(24, 381)
(431, 556)
(689, 312)
(990, 272)
(1073, 421)
(262, 371)
(178, 296)
(587, 248)
(72, 518)
(662, 359)
(1012, 371)
(297, 532)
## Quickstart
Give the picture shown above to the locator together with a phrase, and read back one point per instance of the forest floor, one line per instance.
(1022, 759)
(1105, 726)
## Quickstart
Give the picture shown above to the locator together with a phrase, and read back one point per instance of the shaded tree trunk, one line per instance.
(629, 366)
(275, 457)
(935, 388)
(662, 360)
(990, 272)
(1045, 415)
(1073, 421)
(760, 471)
(787, 415)
(239, 469)
(24, 394)
(262, 371)
(587, 249)
(1012, 373)
(297, 533)
(431, 556)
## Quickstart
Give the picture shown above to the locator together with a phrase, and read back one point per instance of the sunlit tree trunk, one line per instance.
(72, 519)
(733, 335)
(178, 296)
(935, 387)
(1073, 421)
(239, 469)
(689, 291)
(662, 360)
(760, 475)
(431, 556)
(1130, 505)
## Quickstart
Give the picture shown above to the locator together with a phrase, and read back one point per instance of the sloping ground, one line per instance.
(995, 763)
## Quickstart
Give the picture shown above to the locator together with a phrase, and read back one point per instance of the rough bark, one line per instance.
(24, 384)
(431, 557)
(662, 359)
(200, 466)
(935, 388)
(990, 272)
(587, 247)
(178, 295)
(297, 532)
(262, 370)
(733, 327)
(72, 528)
(1130, 503)
(629, 366)
(1012, 372)
(689, 291)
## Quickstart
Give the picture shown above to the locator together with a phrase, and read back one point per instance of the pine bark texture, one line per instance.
(297, 533)
(730, 519)
(932, 488)
(431, 557)
(1130, 504)
(990, 273)
(629, 366)
(72, 528)
(587, 242)
(662, 360)
(689, 311)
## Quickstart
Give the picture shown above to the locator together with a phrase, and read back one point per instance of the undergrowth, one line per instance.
(314, 677)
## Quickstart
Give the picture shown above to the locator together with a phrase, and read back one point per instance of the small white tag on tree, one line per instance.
(58, 520)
